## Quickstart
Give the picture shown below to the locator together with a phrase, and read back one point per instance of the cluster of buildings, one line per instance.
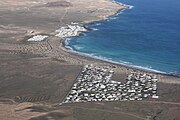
(70, 31)
(37, 38)
(95, 84)
(63, 32)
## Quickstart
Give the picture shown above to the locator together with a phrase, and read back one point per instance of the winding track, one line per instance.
(109, 111)
(125, 113)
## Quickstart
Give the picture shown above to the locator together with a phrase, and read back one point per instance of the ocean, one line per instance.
(147, 36)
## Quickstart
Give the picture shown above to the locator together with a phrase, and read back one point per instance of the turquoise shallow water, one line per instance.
(146, 36)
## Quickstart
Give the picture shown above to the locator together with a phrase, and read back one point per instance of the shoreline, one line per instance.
(123, 64)
(108, 60)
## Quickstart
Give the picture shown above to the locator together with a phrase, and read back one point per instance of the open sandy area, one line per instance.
(36, 76)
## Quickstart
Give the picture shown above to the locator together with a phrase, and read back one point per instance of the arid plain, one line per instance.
(36, 76)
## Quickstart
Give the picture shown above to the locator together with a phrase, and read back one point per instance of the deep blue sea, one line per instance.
(146, 36)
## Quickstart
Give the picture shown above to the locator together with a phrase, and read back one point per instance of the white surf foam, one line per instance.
(128, 64)
(78, 47)
(94, 29)
(97, 24)
(113, 18)
(129, 6)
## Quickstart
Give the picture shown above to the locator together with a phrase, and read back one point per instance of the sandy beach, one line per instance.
(36, 75)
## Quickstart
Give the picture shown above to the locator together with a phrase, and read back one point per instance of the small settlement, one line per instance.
(95, 84)
(64, 32)
(70, 31)
(37, 38)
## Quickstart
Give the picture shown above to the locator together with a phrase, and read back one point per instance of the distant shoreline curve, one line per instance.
(141, 68)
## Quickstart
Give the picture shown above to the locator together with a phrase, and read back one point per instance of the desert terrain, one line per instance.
(35, 77)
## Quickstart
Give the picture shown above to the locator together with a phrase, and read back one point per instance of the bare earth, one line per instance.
(36, 76)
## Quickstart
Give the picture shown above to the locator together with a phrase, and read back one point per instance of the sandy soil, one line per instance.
(42, 73)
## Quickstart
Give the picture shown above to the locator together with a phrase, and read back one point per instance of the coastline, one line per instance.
(124, 64)
(108, 60)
